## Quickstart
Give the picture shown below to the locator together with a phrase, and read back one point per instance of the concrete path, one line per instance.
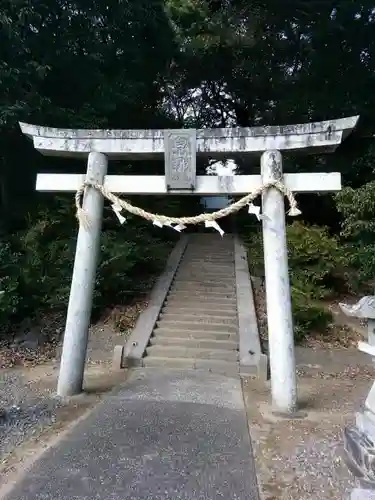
(164, 435)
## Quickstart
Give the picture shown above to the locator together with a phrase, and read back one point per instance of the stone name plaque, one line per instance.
(180, 159)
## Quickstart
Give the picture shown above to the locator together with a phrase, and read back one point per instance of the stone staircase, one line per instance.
(198, 323)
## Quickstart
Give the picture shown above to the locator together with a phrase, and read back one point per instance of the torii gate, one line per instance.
(180, 147)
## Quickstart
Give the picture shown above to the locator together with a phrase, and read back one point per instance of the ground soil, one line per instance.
(303, 458)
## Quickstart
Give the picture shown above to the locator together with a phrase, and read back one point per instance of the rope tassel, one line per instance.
(294, 211)
(254, 209)
(117, 209)
(214, 225)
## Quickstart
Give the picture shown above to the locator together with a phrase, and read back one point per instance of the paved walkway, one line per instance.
(164, 435)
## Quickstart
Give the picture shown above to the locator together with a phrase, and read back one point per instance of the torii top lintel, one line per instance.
(318, 137)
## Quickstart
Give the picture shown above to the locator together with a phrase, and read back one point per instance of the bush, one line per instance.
(357, 207)
(9, 284)
(314, 256)
(308, 314)
(36, 264)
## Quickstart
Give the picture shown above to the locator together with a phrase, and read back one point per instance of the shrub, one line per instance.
(36, 264)
(357, 207)
(313, 256)
(9, 284)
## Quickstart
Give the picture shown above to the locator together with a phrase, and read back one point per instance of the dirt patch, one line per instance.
(33, 345)
(302, 458)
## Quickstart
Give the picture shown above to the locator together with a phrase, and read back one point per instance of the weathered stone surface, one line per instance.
(196, 334)
(364, 308)
(250, 348)
(180, 159)
(362, 494)
(217, 353)
(30, 339)
(226, 345)
(189, 325)
(365, 422)
(315, 137)
(360, 453)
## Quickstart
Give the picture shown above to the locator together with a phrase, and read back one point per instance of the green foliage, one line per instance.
(313, 259)
(308, 315)
(9, 299)
(37, 264)
(357, 207)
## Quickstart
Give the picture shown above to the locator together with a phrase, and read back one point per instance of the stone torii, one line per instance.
(180, 149)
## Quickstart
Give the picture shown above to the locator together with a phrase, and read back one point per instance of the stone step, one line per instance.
(195, 293)
(200, 310)
(201, 264)
(210, 247)
(209, 251)
(206, 264)
(226, 256)
(203, 291)
(221, 367)
(202, 276)
(191, 353)
(165, 331)
(229, 345)
(213, 246)
(220, 286)
(217, 244)
(203, 287)
(202, 252)
(211, 235)
(203, 279)
(181, 299)
(198, 324)
(218, 241)
(207, 274)
(210, 259)
(211, 266)
(201, 319)
(209, 270)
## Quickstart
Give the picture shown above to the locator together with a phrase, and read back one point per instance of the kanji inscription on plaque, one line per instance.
(180, 159)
